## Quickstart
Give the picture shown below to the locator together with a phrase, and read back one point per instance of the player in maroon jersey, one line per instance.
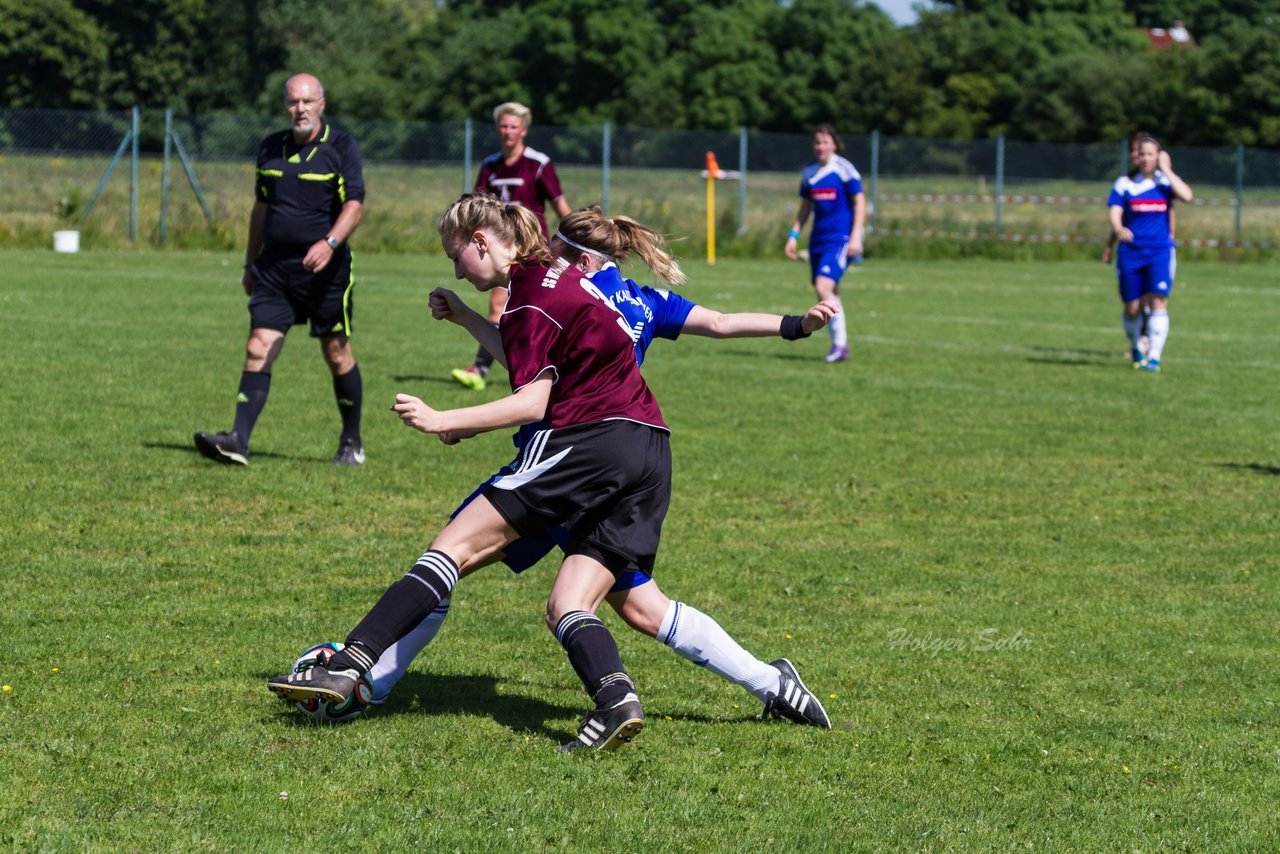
(602, 468)
(518, 175)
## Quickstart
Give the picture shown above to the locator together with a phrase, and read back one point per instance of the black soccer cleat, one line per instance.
(608, 729)
(794, 701)
(223, 448)
(316, 683)
(350, 452)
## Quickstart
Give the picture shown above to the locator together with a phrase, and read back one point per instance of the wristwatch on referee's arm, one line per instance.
(332, 241)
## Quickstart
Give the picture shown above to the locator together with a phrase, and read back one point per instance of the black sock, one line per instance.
(349, 392)
(405, 604)
(594, 655)
(252, 396)
(484, 360)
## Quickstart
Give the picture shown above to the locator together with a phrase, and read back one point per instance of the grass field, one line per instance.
(1036, 589)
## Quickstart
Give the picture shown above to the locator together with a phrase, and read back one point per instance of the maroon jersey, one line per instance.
(555, 318)
(530, 183)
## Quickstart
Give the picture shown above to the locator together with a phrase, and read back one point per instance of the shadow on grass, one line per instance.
(434, 379)
(1257, 468)
(435, 694)
(1072, 358)
(254, 455)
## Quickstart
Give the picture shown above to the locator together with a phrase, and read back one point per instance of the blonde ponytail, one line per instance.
(620, 235)
(511, 224)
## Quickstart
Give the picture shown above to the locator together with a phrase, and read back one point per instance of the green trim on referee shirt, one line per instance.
(315, 176)
(346, 297)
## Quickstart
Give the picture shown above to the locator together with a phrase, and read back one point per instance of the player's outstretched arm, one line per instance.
(446, 305)
(527, 405)
(745, 324)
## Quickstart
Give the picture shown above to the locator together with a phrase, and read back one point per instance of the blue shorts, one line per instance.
(1142, 270)
(829, 260)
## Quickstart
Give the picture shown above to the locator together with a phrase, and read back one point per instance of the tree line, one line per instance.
(1038, 70)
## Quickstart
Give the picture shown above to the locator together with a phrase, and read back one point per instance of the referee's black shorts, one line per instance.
(286, 294)
(608, 482)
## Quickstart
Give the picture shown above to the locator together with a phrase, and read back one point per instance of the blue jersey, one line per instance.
(649, 312)
(830, 190)
(1146, 203)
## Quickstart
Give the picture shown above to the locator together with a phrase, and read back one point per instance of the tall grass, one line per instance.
(405, 200)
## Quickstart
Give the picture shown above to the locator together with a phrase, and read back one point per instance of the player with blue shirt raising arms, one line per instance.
(592, 243)
(832, 188)
(1138, 208)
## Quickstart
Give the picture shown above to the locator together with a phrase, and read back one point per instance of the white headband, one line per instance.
(600, 255)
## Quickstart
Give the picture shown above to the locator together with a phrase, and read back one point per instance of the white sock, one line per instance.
(1132, 329)
(839, 338)
(697, 637)
(1157, 331)
(396, 660)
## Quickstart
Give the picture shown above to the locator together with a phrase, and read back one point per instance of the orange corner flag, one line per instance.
(713, 168)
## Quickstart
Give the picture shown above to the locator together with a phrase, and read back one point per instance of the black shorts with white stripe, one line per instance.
(608, 482)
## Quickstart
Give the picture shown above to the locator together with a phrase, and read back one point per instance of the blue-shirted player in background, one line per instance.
(1139, 207)
(592, 242)
(832, 188)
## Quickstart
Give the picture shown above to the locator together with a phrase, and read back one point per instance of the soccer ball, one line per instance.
(325, 711)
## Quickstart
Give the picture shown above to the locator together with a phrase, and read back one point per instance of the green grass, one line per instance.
(1036, 589)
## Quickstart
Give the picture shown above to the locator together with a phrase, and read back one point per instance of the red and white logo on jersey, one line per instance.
(823, 194)
(1149, 205)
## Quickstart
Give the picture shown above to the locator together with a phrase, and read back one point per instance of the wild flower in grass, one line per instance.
(7, 688)
(666, 717)
(788, 635)
(1125, 768)
(56, 669)
(832, 696)
(284, 796)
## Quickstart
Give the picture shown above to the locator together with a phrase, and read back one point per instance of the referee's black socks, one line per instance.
(250, 399)
(349, 392)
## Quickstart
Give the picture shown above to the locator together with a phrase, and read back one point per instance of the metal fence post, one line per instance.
(742, 180)
(1239, 186)
(606, 144)
(133, 184)
(875, 178)
(999, 179)
(164, 176)
(466, 156)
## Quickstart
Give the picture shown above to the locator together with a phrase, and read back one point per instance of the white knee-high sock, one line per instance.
(395, 662)
(1132, 329)
(836, 328)
(695, 636)
(1157, 331)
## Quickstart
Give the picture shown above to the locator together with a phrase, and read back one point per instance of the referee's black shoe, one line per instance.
(316, 683)
(609, 729)
(223, 448)
(350, 452)
(794, 701)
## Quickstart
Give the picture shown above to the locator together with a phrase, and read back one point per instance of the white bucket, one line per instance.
(66, 241)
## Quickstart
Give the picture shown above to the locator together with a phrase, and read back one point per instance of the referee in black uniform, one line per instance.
(309, 197)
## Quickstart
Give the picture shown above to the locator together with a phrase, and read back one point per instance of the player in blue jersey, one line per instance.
(1138, 208)
(831, 187)
(593, 242)
(1108, 249)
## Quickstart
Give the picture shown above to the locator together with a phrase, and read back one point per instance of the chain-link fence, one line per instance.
(55, 163)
